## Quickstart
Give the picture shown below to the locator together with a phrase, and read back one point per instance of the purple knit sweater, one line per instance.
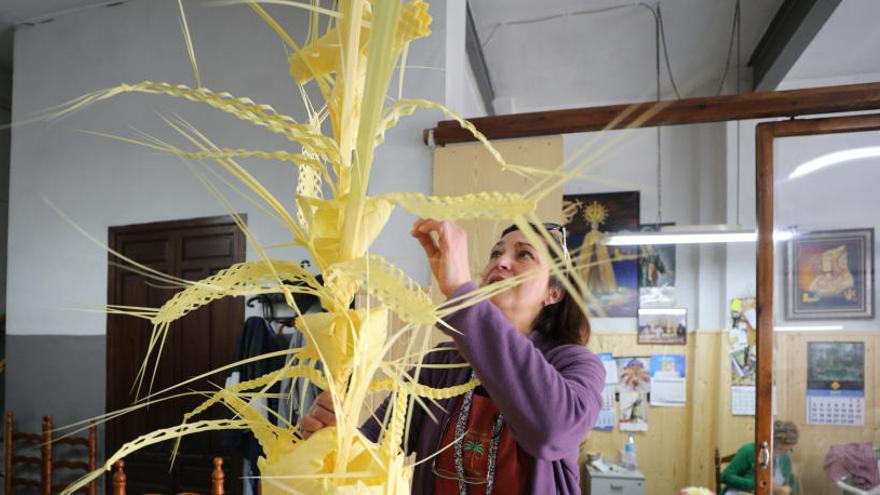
(550, 395)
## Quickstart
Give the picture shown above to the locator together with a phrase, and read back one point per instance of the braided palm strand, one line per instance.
(483, 205)
(302, 370)
(392, 286)
(394, 432)
(424, 390)
(155, 437)
(243, 108)
(407, 106)
(241, 279)
(284, 156)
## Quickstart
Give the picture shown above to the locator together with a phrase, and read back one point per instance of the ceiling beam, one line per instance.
(743, 106)
(477, 61)
(792, 29)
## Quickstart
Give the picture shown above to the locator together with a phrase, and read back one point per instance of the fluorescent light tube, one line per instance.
(807, 328)
(692, 234)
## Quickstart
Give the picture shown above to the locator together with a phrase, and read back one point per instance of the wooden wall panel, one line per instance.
(790, 368)
(468, 168)
(678, 448)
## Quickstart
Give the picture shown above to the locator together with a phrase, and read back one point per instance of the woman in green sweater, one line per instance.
(739, 476)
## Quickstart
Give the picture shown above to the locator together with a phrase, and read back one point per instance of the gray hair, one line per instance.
(785, 432)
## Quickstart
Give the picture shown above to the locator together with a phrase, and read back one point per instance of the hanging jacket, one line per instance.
(297, 394)
(256, 338)
(857, 462)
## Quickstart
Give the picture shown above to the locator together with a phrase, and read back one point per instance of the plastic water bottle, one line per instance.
(628, 459)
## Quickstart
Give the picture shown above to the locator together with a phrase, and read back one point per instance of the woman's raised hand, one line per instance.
(445, 243)
(320, 415)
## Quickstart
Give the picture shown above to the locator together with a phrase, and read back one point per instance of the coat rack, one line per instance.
(268, 302)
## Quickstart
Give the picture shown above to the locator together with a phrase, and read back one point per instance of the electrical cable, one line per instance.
(656, 12)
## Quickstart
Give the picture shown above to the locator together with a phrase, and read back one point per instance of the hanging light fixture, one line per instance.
(693, 234)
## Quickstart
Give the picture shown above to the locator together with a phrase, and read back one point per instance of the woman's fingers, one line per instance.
(309, 425)
(320, 415)
(325, 400)
(445, 243)
(323, 410)
(324, 415)
(421, 230)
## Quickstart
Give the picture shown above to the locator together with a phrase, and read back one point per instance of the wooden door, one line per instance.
(199, 342)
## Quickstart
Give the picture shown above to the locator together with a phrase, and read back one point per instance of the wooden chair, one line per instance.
(217, 478)
(718, 462)
(89, 442)
(45, 462)
(17, 441)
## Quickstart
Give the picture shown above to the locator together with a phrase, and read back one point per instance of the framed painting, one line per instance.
(656, 271)
(663, 326)
(610, 272)
(829, 275)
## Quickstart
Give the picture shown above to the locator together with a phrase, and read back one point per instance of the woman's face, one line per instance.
(514, 255)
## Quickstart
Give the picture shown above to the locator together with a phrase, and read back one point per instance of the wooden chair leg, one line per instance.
(217, 477)
(46, 477)
(119, 478)
(93, 456)
(7, 457)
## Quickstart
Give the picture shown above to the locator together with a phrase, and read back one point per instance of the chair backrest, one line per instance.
(17, 441)
(217, 478)
(86, 463)
(718, 462)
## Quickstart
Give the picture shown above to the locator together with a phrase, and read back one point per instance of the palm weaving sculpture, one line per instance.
(352, 64)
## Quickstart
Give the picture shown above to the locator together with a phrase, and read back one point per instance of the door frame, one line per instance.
(765, 135)
(114, 271)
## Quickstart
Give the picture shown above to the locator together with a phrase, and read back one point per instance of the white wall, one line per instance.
(462, 95)
(5, 117)
(692, 181)
(700, 187)
(838, 198)
(101, 183)
(472, 100)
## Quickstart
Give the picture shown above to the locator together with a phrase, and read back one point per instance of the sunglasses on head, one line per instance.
(551, 228)
(563, 236)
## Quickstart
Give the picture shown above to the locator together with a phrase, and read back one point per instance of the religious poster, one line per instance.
(836, 383)
(634, 374)
(610, 272)
(633, 387)
(656, 271)
(662, 326)
(830, 275)
(633, 411)
(742, 342)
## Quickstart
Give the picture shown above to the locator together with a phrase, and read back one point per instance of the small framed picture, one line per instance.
(830, 275)
(663, 326)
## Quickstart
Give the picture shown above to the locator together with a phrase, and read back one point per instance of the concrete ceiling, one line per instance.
(847, 45)
(609, 56)
(13, 12)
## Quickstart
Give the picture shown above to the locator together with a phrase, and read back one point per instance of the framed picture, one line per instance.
(836, 365)
(663, 326)
(830, 275)
(610, 272)
(656, 272)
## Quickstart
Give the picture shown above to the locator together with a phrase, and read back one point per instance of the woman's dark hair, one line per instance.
(565, 321)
